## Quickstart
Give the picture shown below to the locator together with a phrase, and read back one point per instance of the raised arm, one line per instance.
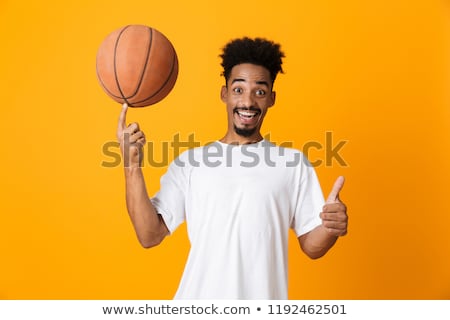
(148, 224)
(334, 217)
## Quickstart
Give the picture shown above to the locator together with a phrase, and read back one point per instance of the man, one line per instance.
(239, 195)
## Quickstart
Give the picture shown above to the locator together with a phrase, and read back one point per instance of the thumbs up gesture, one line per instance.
(334, 215)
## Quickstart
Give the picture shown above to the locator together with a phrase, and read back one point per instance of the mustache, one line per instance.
(255, 109)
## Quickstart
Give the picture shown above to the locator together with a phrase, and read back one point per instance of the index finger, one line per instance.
(123, 118)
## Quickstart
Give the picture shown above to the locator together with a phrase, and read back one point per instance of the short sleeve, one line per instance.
(169, 201)
(309, 200)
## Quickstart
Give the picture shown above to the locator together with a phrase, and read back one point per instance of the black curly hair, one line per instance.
(257, 51)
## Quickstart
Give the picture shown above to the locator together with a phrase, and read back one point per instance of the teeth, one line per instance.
(246, 114)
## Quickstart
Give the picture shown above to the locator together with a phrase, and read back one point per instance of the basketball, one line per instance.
(137, 65)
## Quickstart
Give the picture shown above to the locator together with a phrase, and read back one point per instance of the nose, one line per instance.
(247, 100)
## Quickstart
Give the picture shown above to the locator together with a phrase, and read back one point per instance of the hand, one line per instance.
(131, 140)
(334, 216)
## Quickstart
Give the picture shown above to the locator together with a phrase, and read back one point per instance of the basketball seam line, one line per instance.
(115, 70)
(145, 65)
(143, 72)
(165, 82)
(103, 83)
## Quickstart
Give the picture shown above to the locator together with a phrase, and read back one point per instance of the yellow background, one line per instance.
(375, 73)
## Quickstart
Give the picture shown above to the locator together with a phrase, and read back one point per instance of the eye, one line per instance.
(237, 90)
(260, 92)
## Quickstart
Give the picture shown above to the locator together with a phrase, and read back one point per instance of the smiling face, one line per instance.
(248, 94)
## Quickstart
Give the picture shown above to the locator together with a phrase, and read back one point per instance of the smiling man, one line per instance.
(239, 196)
(247, 95)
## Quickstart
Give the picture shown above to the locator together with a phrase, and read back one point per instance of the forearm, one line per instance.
(317, 242)
(148, 224)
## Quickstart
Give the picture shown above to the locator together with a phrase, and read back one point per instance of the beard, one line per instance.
(244, 132)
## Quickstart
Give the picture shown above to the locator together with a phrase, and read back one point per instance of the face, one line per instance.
(248, 94)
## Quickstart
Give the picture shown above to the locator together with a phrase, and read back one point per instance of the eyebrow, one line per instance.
(265, 83)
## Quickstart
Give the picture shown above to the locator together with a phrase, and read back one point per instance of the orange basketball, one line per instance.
(138, 65)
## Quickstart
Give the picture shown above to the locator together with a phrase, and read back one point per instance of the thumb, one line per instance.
(337, 187)
(122, 118)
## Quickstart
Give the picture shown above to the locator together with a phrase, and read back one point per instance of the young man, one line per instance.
(240, 195)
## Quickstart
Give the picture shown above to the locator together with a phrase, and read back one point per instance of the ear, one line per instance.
(273, 96)
(224, 93)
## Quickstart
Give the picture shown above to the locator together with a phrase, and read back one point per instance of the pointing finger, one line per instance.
(123, 118)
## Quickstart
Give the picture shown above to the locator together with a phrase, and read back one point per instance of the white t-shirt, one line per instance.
(239, 202)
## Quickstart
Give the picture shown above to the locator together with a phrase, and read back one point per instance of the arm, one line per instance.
(148, 224)
(318, 241)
